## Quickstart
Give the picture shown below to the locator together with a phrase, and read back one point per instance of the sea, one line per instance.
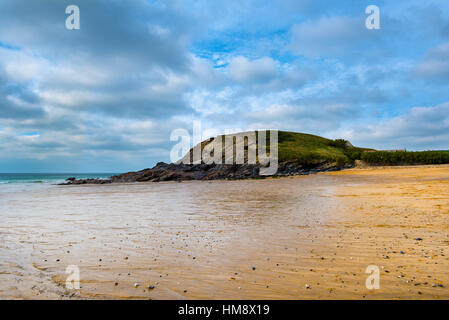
(16, 181)
(53, 178)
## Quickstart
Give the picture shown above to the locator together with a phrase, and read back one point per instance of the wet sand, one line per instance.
(309, 237)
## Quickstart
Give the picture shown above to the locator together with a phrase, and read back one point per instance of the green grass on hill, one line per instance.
(309, 149)
(304, 149)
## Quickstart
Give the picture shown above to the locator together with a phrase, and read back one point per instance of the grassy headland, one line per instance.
(298, 154)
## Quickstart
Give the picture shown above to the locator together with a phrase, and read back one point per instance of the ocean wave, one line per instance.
(24, 181)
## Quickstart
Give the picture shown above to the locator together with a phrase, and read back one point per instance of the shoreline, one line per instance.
(273, 177)
(357, 166)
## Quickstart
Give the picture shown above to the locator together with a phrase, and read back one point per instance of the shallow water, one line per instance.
(192, 236)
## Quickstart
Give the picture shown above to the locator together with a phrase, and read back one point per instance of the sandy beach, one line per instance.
(304, 237)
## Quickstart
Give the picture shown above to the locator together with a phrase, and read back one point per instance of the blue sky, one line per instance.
(105, 98)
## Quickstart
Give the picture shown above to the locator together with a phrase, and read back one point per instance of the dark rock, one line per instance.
(184, 172)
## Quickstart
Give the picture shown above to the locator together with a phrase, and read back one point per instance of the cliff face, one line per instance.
(298, 154)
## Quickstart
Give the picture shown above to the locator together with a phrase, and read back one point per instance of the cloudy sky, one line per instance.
(105, 98)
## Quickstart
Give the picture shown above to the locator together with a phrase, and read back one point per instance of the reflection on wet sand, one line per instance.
(290, 238)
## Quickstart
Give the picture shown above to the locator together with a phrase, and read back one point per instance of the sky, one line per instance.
(106, 97)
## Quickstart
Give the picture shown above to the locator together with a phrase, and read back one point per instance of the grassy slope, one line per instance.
(302, 148)
(307, 148)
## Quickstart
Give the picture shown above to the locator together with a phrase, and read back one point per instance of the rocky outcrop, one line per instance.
(182, 172)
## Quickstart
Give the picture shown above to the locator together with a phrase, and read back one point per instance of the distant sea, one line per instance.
(47, 178)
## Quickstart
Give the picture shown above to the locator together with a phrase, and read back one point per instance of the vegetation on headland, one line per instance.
(405, 157)
(308, 149)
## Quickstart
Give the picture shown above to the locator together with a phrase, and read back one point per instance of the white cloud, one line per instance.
(242, 69)
(435, 64)
(21, 66)
(329, 37)
(418, 128)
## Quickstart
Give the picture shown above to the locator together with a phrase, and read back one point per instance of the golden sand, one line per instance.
(399, 220)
